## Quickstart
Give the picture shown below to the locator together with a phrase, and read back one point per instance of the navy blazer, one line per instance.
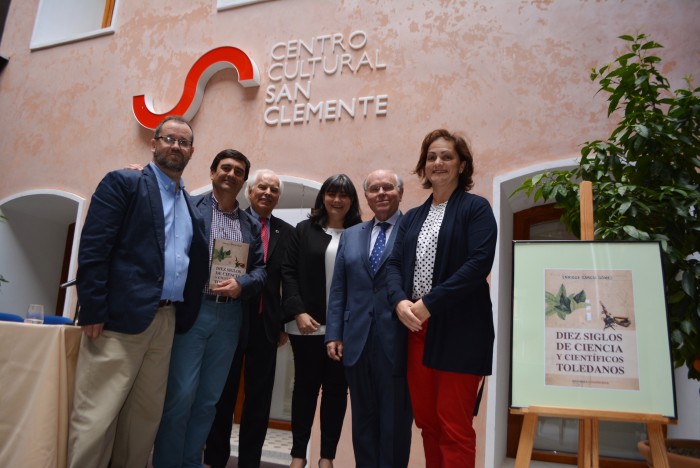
(304, 272)
(254, 279)
(359, 297)
(279, 231)
(121, 257)
(460, 331)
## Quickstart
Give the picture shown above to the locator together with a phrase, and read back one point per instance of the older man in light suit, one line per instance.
(361, 331)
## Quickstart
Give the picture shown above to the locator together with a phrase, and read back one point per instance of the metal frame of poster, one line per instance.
(590, 327)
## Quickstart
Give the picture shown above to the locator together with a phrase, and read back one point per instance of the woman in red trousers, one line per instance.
(437, 279)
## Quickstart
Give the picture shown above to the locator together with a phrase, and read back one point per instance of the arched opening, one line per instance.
(298, 196)
(504, 207)
(38, 242)
(556, 439)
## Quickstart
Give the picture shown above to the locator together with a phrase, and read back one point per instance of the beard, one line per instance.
(177, 161)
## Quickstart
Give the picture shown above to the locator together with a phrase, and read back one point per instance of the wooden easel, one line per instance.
(588, 432)
(588, 419)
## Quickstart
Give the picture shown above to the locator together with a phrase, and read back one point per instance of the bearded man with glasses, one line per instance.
(141, 269)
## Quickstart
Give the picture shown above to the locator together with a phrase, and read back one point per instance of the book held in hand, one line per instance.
(229, 260)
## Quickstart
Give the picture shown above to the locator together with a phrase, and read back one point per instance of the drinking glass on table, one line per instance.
(35, 314)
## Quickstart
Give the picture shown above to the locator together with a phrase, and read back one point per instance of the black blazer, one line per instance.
(280, 231)
(121, 257)
(460, 331)
(304, 272)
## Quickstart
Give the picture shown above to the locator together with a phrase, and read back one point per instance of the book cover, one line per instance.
(591, 338)
(229, 260)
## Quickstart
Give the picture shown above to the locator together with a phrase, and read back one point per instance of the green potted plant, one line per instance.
(646, 181)
(682, 453)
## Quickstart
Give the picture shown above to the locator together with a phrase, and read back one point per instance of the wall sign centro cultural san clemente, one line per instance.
(193, 92)
(295, 65)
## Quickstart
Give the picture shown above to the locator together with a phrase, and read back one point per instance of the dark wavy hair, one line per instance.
(461, 148)
(338, 183)
(233, 154)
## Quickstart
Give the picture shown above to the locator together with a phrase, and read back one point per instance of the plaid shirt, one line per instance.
(224, 225)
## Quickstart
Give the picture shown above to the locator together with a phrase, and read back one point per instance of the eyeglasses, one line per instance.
(170, 141)
(377, 188)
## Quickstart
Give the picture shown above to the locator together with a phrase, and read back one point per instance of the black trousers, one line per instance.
(313, 371)
(260, 357)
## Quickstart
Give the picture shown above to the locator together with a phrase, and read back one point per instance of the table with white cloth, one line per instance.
(37, 379)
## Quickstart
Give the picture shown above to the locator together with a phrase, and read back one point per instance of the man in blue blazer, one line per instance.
(361, 330)
(141, 268)
(201, 357)
(261, 334)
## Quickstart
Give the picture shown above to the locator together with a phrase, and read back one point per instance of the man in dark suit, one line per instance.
(261, 334)
(361, 330)
(141, 268)
(201, 358)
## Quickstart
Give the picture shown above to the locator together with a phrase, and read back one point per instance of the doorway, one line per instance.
(518, 216)
(38, 242)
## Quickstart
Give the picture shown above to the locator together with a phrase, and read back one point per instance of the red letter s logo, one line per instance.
(203, 69)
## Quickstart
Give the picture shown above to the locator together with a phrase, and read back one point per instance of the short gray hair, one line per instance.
(399, 180)
(253, 179)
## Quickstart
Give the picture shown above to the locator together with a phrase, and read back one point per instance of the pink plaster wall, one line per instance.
(512, 75)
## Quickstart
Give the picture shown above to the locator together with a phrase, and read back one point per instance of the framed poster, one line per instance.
(590, 328)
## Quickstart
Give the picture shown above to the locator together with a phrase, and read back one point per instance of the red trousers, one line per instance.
(443, 408)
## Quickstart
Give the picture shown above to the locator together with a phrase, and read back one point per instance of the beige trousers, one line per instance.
(119, 393)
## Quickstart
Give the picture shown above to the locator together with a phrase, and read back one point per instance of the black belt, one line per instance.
(218, 299)
(164, 303)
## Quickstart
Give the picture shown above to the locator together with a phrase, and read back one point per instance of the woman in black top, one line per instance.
(306, 277)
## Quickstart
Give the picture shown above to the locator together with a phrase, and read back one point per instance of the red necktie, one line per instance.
(265, 236)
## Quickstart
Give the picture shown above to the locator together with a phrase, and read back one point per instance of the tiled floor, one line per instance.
(510, 463)
(277, 446)
(279, 443)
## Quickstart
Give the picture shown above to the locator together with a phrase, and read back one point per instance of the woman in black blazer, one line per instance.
(306, 277)
(437, 275)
